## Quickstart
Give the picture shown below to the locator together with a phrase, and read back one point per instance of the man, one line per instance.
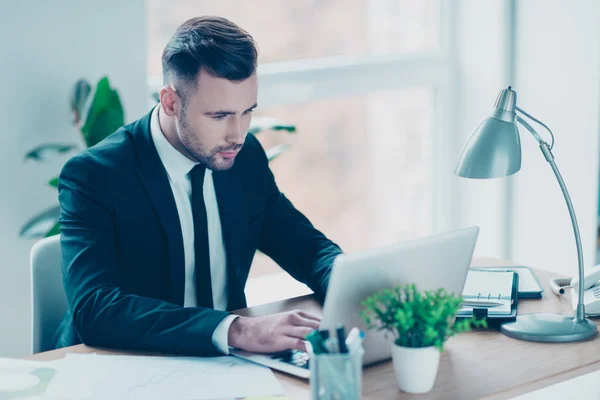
(161, 220)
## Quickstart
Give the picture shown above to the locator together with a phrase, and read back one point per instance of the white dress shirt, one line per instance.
(178, 167)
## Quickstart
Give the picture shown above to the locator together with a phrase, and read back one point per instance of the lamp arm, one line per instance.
(539, 122)
(546, 150)
(530, 129)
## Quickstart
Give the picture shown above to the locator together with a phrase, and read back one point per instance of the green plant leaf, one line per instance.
(417, 319)
(53, 182)
(46, 151)
(105, 115)
(54, 231)
(260, 124)
(275, 151)
(42, 223)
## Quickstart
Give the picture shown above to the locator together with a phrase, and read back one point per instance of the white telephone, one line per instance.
(591, 296)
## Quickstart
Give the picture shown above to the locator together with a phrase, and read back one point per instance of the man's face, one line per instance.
(213, 124)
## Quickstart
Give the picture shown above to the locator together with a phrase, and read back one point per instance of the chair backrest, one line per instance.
(48, 300)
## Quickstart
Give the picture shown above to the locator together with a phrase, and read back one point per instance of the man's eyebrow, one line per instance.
(228, 112)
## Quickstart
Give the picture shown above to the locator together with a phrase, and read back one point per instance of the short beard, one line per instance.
(197, 150)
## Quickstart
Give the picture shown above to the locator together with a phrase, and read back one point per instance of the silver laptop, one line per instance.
(439, 261)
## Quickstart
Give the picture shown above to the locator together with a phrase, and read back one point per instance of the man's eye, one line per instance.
(218, 117)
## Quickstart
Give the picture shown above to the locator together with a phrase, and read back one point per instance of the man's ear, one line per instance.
(170, 101)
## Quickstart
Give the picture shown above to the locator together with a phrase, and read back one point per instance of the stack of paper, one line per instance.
(92, 376)
(129, 377)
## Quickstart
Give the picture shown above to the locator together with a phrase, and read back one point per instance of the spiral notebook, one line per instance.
(530, 286)
(490, 286)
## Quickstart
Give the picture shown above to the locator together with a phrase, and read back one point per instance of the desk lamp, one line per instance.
(494, 151)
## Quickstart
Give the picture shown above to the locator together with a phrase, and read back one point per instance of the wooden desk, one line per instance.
(474, 365)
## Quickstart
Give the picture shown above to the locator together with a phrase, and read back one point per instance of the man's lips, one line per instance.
(228, 154)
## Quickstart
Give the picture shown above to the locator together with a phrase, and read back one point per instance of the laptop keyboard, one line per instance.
(293, 357)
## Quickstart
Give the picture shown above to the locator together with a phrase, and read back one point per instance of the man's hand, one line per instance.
(272, 333)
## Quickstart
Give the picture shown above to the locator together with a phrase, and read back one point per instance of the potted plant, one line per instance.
(421, 322)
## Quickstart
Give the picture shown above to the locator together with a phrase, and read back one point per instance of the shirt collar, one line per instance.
(176, 164)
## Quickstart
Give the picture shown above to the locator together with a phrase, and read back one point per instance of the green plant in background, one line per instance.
(416, 319)
(97, 116)
(105, 115)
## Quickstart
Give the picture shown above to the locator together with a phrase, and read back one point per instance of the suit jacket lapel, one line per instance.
(233, 221)
(155, 179)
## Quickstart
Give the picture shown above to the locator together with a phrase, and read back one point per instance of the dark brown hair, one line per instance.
(214, 44)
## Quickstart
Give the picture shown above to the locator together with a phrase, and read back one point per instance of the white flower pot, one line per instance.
(415, 367)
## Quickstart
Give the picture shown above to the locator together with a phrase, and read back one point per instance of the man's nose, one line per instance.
(235, 133)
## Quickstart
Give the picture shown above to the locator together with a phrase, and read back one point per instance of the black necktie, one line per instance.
(202, 256)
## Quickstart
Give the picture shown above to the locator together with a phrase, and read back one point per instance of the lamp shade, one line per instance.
(492, 151)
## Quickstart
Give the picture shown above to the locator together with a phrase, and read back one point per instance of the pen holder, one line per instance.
(336, 376)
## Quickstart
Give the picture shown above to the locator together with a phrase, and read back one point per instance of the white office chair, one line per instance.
(48, 300)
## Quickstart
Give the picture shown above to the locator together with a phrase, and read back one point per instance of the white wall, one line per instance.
(482, 54)
(558, 71)
(46, 46)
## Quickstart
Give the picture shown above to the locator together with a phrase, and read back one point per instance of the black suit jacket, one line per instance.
(122, 247)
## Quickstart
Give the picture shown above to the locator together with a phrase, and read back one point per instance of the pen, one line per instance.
(354, 339)
(332, 346)
(325, 341)
(341, 339)
(353, 335)
(324, 334)
(314, 338)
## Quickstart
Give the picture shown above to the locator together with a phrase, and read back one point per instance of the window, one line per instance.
(359, 168)
(352, 160)
(367, 83)
(299, 29)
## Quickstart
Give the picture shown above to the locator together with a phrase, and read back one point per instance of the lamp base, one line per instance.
(549, 328)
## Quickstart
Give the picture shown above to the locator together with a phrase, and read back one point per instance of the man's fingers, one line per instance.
(297, 344)
(300, 345)
(309, 323)
(298, 320)
(288, 342)
(298, 332)
(309, 316)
